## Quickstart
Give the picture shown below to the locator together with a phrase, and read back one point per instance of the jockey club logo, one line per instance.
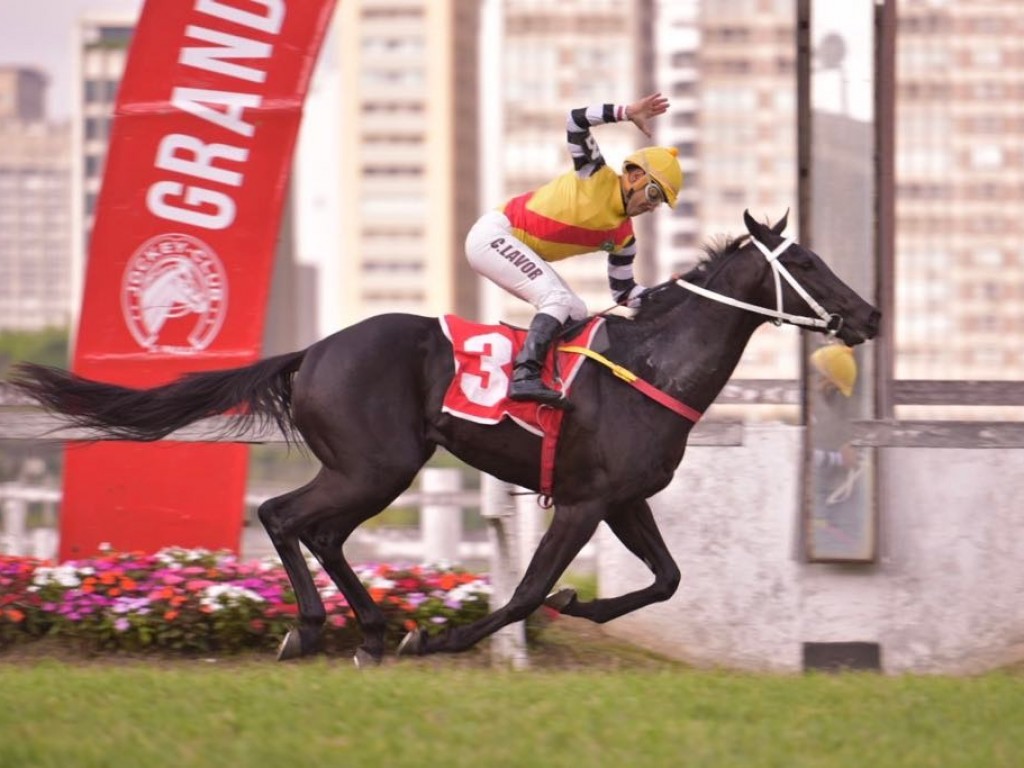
(174, 294)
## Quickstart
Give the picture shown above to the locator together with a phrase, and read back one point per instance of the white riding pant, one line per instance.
(494, 252)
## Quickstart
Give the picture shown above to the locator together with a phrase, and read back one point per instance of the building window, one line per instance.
(986, 157)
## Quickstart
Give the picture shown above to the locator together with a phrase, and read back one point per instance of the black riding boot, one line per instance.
(526, 382)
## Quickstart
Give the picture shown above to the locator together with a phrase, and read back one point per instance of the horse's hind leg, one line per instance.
(570, 529)
(322, 515)
(281, 516)
(326, 545)
(635, 527)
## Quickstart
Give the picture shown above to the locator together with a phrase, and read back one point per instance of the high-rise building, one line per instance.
(408, 180)
(676, 44)
(22, 94)
(960, 187)
(34, 178)
(102, 52)
(959, 166)
(746, 140)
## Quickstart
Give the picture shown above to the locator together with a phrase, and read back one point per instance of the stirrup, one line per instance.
(534, 390)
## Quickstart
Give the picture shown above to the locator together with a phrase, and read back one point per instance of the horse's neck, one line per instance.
(695, 348)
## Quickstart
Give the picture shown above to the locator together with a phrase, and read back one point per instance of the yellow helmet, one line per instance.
(660, 164)
(836, 363)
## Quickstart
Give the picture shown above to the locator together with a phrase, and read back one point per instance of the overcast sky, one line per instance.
(40, 33)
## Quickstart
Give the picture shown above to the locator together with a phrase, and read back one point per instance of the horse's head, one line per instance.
(807, 287)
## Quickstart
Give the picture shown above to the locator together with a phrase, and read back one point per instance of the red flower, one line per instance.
(14, 615)
(448, 581)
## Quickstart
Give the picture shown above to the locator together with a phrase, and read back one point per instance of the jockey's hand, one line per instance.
(635, 298)
(643, 111)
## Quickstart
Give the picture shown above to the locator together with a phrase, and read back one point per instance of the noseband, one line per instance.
(831, 323)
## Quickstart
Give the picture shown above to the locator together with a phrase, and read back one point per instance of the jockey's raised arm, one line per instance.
(583, 149)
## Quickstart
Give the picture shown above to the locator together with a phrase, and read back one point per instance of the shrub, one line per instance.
(197, 601)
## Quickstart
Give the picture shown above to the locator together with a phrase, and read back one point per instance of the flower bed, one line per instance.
(197, 601)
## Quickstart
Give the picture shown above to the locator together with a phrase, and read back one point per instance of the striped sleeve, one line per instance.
(620, 271)
(586, 155)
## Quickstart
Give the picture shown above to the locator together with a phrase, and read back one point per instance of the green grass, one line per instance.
(424, 713)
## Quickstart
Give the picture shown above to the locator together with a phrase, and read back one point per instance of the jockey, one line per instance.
(582, 211)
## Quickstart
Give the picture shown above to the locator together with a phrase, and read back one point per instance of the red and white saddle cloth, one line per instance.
(484, 356)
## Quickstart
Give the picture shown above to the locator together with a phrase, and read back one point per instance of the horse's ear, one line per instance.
(780, 225)
(756, 229)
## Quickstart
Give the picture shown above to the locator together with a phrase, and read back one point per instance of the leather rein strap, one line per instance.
(637, 383)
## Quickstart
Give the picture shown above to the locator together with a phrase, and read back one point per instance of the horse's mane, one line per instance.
(667, 296)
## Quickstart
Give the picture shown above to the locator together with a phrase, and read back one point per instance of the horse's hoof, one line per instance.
(291, 647)
(413, 644)
(365, 660)
(561, 599)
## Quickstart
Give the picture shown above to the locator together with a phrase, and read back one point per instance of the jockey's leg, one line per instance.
(497, 254)
(526, 380)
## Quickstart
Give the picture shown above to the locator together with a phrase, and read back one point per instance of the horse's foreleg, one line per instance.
(635, 527)
(571, 528)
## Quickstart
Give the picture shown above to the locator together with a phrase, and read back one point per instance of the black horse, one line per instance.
(367, 401)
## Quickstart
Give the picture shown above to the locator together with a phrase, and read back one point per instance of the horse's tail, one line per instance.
(263, 392)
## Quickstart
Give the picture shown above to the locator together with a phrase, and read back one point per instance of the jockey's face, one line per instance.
(640, 193)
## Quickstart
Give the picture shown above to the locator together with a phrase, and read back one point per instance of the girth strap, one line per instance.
(637, 383)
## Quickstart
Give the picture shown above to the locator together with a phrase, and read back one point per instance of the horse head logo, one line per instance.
(178, 278)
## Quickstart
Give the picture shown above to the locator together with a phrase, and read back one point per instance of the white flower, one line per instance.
(176, 557)
(61, 575)
(470, 591)
(217, 596)
(328, 590)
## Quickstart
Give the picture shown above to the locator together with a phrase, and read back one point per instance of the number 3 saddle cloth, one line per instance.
(484, 355)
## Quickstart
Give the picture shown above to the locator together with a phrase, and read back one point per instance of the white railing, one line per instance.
(439, 537)
(440, 498)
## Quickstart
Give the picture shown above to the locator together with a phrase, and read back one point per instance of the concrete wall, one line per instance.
(946, 595)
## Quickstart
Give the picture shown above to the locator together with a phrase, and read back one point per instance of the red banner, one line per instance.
(182, 253)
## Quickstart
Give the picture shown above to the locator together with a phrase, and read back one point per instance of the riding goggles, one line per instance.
(653, 193)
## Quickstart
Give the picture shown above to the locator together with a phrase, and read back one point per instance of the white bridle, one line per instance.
(827, 320)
